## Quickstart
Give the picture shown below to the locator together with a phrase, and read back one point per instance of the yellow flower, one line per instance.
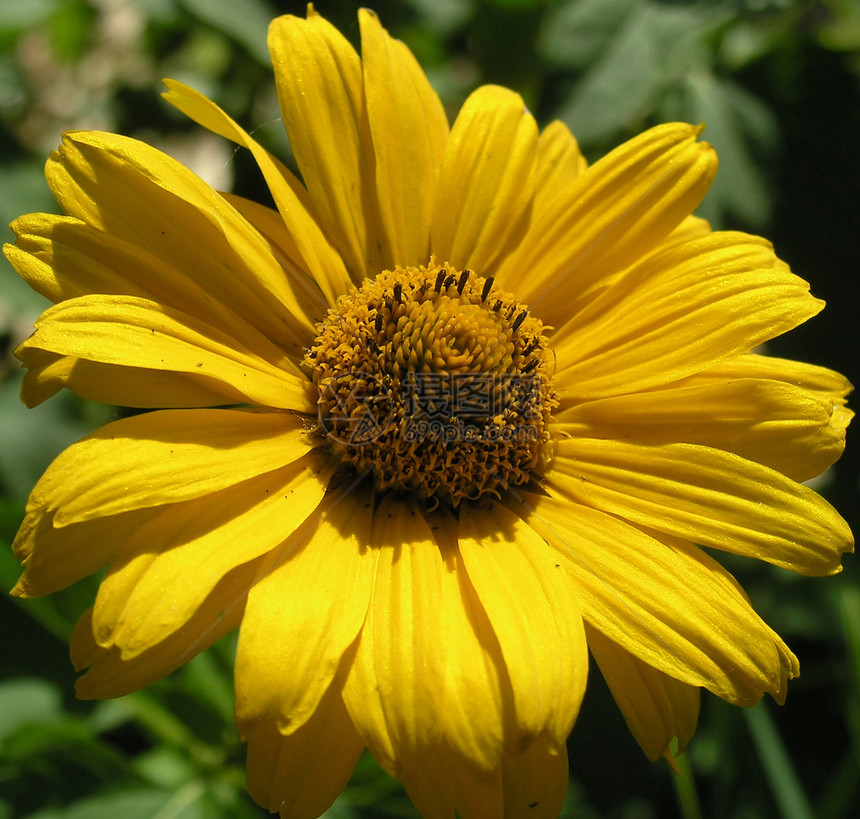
(459, 411)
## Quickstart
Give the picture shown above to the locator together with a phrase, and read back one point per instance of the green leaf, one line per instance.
(58, 613)
(63, 736)
(71, 28)
(165, 766)
(17, 16)
(131, 804)
(11, 515)
(575, 34)
(207, 680)
(27, 701)
(685, 786)
(24, 190)
(443, 16)
(849, 605)
(31, 438)
(653, 48)
(734, 121)
(786, 786)
(516, 5)
(247, 22)
(840, 30)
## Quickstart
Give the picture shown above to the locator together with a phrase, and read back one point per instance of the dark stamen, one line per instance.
(440, 277)
(487, 286)
(450, 280)
(519, 320)
(497, 306)
(464, 277)
(398, 290)
(531, 347)
(378, 323)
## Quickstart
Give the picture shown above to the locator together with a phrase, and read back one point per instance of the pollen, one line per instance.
(436, 382)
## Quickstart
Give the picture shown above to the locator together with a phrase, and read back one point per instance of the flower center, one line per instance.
(436, 382)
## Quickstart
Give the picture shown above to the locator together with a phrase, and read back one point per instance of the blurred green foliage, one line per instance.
(778, 84)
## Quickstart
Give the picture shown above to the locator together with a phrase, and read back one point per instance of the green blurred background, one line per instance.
(778, 84)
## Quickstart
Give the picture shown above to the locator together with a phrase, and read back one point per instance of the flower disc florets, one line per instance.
(435, 381)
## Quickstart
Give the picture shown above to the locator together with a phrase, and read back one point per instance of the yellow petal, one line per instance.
(141, 196)
(656, 707)
(201, 541)
(822, 383)
(442, 785)
(710, 497)
(535, 781)
(608, 217)
(679, 310)
(54, 558)
(409, 128)
(302, 774)
(529, 784)
(693, 227)
(319, 83)
(525, 592)
(426, 653)
(304, 613)
(271, 226)
(780, 425)
(112, 675)
(165, 457)
(666, 602)
(134, 332)
(559, 162)
(292, 201)
(48, 373)
(819, 380)
(63, 258)
(486, 181)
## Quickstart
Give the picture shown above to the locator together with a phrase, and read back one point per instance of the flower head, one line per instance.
(458, 411)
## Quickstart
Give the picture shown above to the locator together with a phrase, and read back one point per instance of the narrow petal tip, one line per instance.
(20, 590)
